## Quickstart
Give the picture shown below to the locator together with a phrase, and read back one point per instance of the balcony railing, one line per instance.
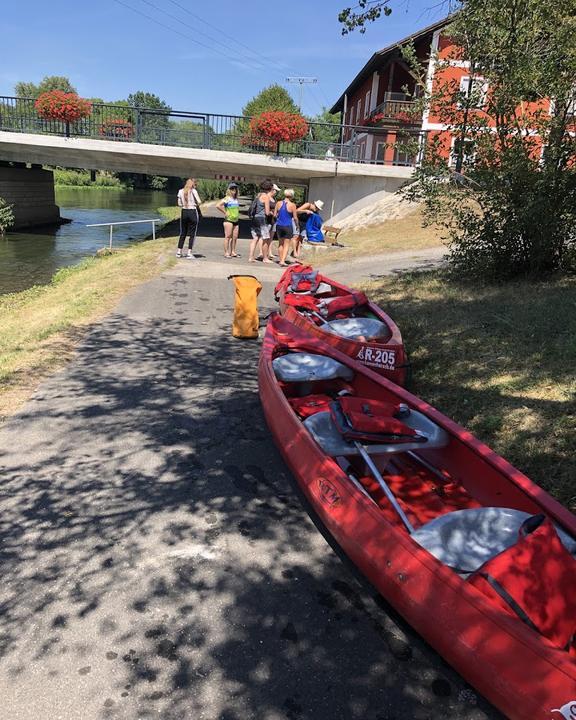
(398, 110)
(210, 131)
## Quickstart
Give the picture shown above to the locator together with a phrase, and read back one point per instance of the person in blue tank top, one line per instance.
(286, 224)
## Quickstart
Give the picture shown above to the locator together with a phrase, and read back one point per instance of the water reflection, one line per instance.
(32, 257)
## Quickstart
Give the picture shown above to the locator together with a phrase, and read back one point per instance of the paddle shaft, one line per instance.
(380, 480)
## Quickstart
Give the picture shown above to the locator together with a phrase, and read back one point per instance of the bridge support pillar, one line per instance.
(31, 192)
(343, 196)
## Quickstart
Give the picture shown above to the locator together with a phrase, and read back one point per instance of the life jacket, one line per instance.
(285, 280)
(369, 420)
(304, 302)
(304, 281)
(535, 579)
(343, 303)
(246, 321)
(310, 404)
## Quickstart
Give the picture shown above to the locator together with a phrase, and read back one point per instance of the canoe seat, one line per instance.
(324, 431)
(353, 328)
(306, 367)
(466, 539)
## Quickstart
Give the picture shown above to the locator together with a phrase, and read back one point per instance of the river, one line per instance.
(32, 257)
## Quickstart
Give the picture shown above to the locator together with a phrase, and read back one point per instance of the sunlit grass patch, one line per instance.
(404, 233)
(500, 360)
(41, 326)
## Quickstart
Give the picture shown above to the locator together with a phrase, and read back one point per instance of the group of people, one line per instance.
(270, 218)
(281, 219)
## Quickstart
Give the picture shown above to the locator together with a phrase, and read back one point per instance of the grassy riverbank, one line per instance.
(499, 360)
(41, 326)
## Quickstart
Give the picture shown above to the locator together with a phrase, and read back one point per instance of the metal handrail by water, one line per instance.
(127, 222)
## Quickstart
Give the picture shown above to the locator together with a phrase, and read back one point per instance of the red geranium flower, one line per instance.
(66, 107)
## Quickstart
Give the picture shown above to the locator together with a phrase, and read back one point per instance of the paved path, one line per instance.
(157, 561)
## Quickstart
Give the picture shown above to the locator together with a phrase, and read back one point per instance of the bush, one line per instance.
(81, 178)
(6, 216)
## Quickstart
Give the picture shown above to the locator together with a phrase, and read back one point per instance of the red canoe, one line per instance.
(343, 318)
(476, 557)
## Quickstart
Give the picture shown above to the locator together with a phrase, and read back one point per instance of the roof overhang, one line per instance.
(382, 57)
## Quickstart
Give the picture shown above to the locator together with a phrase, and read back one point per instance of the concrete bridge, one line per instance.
(182, 144)
(344, 186)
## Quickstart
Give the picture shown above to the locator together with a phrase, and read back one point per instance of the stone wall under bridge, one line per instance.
(31, 192)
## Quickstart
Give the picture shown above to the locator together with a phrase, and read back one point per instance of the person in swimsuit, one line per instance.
(286, 224)
(230, 207)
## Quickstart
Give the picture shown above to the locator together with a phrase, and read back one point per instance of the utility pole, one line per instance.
(301, 81)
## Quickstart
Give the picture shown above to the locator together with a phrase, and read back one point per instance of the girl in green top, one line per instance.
(230, 208)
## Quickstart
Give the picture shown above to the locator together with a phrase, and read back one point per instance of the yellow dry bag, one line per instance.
(246, 321)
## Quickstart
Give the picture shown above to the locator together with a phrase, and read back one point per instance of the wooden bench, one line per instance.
(330, 240)
(331, 233)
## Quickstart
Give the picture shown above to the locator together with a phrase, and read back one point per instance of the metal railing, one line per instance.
(126, 222)
(122, 123)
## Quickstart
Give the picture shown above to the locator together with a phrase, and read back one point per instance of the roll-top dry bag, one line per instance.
(246, 321)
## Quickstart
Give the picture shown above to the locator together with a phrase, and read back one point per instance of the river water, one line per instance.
(32, 257)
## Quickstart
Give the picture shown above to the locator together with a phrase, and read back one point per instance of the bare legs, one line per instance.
(235, 231)
(228, 231)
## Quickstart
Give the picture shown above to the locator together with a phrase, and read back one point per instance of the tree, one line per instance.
(370, 10)
(152, 127)
(510, 208)
(141, 99)
(329, 129)
(274, 97)
(49, 83)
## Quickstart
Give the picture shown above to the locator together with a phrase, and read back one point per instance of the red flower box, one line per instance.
(117, 129)
(59, 105)
(278, 126)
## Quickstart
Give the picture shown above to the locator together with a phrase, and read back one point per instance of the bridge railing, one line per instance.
(125, 123)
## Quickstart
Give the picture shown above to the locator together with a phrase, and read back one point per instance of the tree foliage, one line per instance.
(49, 83)
(366, 11)
(6, 216)
(510, 208)
(274, 97)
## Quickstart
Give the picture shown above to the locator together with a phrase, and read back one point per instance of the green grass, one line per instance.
(499, 360)
(42, 325)
(171, 212)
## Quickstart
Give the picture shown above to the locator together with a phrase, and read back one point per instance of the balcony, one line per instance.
(395, 112)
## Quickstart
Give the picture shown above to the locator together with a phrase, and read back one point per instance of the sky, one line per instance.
(208, 57)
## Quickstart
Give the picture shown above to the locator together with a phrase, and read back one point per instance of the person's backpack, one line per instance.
(253, 208)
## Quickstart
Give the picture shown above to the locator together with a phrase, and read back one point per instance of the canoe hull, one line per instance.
(525, 677)
(388, 358)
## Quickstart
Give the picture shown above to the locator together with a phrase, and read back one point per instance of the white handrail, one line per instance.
(127, 222)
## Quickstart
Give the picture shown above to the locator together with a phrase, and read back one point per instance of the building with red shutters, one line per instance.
(379, 110)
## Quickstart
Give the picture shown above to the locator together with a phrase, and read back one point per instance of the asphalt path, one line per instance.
(157, 559)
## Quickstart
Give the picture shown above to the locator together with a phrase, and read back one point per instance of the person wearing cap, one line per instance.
(230, 208)
(304, 213)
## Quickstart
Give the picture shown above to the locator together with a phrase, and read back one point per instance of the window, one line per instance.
(380, 152)
(468, 152)
(477, 90)
(351, 118)
(358, 111)
(367, 104)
